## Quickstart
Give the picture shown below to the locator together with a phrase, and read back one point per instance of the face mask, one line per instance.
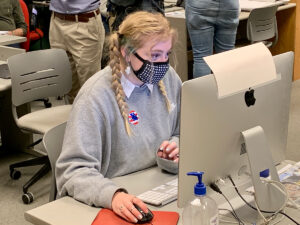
(151, 73)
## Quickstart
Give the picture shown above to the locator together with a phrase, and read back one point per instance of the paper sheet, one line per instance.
(242, 68)
(248, 5)
(3, 32)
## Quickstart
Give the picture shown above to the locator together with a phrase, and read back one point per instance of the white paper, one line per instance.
(3, 32)
(248, 5)
(242, 68)
(177, 14)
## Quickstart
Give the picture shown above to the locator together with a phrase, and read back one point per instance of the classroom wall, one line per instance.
(297, 42)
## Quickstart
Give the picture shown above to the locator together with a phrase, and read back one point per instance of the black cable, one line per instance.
(218, 190)
(251, 206)
(282, 213)
(230, 213)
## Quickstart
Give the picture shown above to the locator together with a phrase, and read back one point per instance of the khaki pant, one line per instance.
(83, 43)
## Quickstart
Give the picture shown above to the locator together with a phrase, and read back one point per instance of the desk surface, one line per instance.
(244, 15)
(6, 39)
(5, 53)
(178, 12)
(77, 213)
(4, 83)
(69, 211)
(41, 3)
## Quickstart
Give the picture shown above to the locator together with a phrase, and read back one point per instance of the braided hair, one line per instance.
(131, 35)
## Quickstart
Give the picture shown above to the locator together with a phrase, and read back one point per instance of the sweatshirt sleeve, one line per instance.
(175, 89)
(19, 18)
(81, 167)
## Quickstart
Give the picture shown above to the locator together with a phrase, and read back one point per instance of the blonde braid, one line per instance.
(162, 88)
(135, 29)
(116, 83)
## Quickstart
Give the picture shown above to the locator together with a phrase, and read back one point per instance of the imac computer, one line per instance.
(212, 129)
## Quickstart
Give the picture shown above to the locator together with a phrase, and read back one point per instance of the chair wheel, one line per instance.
(27, 198)
(15, 174)
(47, 104)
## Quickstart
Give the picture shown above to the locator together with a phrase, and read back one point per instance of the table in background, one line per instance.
(6, 39)
(12, 138)
(286, 20)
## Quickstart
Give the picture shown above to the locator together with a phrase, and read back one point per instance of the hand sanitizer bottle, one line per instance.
(202, 210)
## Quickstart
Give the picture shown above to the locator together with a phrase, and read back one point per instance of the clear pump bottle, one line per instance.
(202, 210)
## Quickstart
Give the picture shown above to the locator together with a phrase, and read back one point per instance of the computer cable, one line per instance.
(264, 211)
(227, 221)
(291, 201)
(266, 221)
(220, 209)
(218, 190)
(246, 223)
(282, 190)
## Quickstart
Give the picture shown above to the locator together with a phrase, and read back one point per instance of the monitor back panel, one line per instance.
(210, 128)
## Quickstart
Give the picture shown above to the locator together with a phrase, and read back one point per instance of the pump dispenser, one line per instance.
(202, 210)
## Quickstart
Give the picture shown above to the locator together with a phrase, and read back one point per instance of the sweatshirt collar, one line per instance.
(128, 86)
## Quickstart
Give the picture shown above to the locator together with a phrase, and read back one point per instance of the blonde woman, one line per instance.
(124, 119)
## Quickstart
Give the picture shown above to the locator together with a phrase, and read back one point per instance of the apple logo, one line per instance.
(249, 97)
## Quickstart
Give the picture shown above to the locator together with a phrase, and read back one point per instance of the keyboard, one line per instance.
(162, 194)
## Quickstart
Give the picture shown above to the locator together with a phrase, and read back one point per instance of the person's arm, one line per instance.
(16, 32)
(21, 26)
(85, 157)
(168, 152)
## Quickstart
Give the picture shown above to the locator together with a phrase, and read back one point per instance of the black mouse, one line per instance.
(146, 216)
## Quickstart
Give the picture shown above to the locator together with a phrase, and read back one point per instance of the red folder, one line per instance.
(108, 217)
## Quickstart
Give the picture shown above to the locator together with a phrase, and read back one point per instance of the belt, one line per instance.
(82, 17)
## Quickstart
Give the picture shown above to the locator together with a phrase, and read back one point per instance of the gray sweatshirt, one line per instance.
(96, 146)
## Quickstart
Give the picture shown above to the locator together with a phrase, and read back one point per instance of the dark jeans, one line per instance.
(212, 26)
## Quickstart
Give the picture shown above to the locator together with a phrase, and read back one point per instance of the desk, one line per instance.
(41, 3)
(182, 62)
(75, 212)
(11, 136)
(69, 211)
(6, 39)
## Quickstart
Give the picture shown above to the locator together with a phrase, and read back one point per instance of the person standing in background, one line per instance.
(76, 27)
(212, 26)
(119, 9)
(12, 18)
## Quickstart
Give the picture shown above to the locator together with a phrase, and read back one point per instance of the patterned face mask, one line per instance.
(151, 72)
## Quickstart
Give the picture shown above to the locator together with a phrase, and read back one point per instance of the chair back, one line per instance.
(262, 25)
(25, 45)
(39, 74)
(53, 140)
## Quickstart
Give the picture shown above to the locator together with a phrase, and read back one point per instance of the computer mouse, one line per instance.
(146, 216)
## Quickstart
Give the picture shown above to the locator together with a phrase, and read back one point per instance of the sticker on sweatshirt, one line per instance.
(133, 117)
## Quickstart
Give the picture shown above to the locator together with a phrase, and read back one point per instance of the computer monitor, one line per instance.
(210, 128)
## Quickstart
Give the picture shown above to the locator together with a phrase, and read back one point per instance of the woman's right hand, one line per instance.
(122, 205)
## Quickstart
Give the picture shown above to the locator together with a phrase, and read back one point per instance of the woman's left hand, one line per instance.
(169, 150)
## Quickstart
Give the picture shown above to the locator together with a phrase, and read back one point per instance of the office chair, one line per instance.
(262, 26)
(53, 141)
(36, 75)
(32, 35)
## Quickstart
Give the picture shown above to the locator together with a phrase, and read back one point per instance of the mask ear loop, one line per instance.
(148, 62)
(128, 68)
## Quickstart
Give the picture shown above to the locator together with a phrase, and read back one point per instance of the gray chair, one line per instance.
(262, 26)
(53, 141)
(38, 75)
